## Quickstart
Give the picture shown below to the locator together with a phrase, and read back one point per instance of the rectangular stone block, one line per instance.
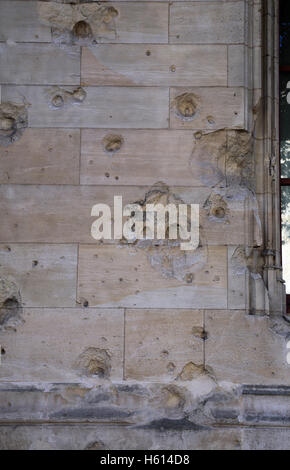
(159, 343)
(30, 213)
(154, 65)
(123, 276)
(117, 107)
(243, 348)
(144, 158)
(69, 345)
(39, 64)
(44, 274)
(51, 157)
(236, 65)
(207, 22)
(206, 108)
(19, 22)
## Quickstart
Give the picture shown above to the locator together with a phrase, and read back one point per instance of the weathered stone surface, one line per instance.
(144, 157)
(160, 342)
(154, 65)
(82, 437)
(139, 278)
(207, 108)
(39, 64)
(236, 65)
(61, 338)
(242, 349)
(206, 22)
(44, 274)
(19, 22)
(51, 157)
(106, 22)
(10, 303)
(117, 107)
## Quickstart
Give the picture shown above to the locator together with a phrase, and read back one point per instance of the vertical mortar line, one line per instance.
(77, 274)
(168, 11)
(124, 345)
(204, 340)
(80, 155)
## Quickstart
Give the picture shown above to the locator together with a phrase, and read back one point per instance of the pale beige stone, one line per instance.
(236, 65)
(39, 64)
(145, 157)
(242, 349)
(60, 336)
(19, 22)
(154, 65)
(44, 274)
(207, 22)
(160, 342)
(206, 108)
(118, 107)
(117, 276)
(51, 157)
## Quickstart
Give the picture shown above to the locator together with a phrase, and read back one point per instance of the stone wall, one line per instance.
(117, 345)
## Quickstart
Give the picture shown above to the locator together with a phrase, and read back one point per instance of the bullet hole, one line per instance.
(79, 94)
(164, 353)
(107, 175)
(97, 445)
(170, 367)
(186, 106)
(3, 351)
(210, 120)
(13, 121)
(34, 263)
(219, 212)
(82, 30)
(199, 332)
(85, 303)
(172, 68)
(10, 309)
(112, 143)
(121, 279)
(189, 278)
(148, 53)
(57, 101)
(116, 178)
(94, 361)
(198, 135)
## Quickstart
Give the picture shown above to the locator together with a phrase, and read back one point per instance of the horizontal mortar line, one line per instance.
(91, 185)
(73, 422)
(132, 43)
(157, 87)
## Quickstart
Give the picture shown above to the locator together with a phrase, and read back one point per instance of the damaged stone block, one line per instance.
(160, 342)
(146, 107)
(45, 274)
(205, 109)
(13, 121)
(89, 23)
(134, 64)
(242, 348)
(69, 345)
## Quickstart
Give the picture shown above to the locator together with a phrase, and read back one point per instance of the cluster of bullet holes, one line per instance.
(60, 97)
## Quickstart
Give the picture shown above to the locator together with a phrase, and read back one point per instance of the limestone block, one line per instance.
(270, 438)
(44, 274)
(238, 278)
(117, 107)
(106, 22)
(236, 65)
(242, 349)
(68, 345)
(19, 22)
(145, 157)
(159, 343)
(39, 64)
(55, 213)
(154, 65)
(152, 278)
(207, 22)
(51, 157)
(206, 108)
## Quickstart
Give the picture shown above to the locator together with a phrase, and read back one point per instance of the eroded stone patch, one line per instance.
(112, 143)
(10, 303)
(94, 362)
(58, 97)
(82, 24)
(13, 121)
(186, 106)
